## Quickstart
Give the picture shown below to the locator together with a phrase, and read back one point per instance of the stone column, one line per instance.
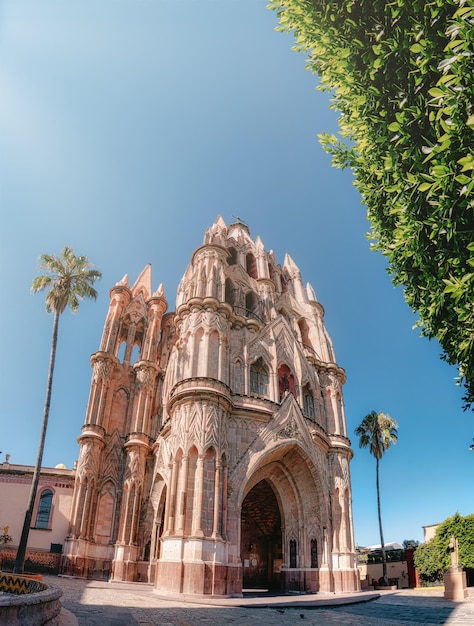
(172, 500)
(217, 498)
(224, 502)
(198, 495)
(182, 495)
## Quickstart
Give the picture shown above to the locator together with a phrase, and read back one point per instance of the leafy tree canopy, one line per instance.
(400, 74)
(426, 561)
(433, 558)
(463, 529)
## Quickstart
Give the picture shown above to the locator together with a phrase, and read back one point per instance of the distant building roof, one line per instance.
(393, 545)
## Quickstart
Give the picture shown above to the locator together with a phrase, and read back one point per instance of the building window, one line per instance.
(44, 509)
(251, 303)
(259, 378)
(229, 292)
(232, 259)
(251, 264)
(308, 401)
(286, 381)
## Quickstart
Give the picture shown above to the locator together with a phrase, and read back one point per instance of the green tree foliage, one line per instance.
(463, 529)
(433, 558)
(400, 74)
(426, 561)
(68, 280)
(378, 432)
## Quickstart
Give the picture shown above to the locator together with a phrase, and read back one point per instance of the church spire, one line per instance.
(293, 270)
(143, 283)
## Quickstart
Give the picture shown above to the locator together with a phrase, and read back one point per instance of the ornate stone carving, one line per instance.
(88, 465)
(145, 377)
(290, 431)
(102, 369)
(135, 466)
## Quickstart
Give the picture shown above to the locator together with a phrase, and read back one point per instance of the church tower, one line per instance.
(215, 456)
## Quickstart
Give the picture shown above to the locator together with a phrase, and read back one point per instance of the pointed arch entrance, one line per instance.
(284, 521)
(261, 538)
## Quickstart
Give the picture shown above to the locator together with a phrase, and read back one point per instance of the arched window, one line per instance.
(251, 264)
(286, 381)
(232, 258)
(44, 509)
(121, 351)
(259, 378)
(135, 354)
(251, 303)
(229, 291)
(308, 401)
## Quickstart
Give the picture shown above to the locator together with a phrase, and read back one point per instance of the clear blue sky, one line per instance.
(126, 127)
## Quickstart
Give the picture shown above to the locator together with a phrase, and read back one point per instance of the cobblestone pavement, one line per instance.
(95, 603)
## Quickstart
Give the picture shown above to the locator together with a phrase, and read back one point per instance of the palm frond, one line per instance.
(70, 279)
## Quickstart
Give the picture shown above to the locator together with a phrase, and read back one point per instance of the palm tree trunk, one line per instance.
(21, 552)
(382, 545)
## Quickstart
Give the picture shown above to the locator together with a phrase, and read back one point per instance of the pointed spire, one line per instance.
(124, 281)
(290, 265)
(220, 223)
(259, 243)
(143, 282)
(311, 293)
(160, 291)
(216, 233)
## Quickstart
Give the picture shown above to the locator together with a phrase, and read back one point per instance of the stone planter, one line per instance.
(27, 602)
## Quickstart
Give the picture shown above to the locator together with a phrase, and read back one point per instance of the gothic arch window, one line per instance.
(251, 265)
(140, 334)
(135, 354)
(284, 286)
(121, 351)
(232, 258)
(259, 378)
(45, 506)
(308, 401)
(251, 302)
(229, 292)
(286, 381)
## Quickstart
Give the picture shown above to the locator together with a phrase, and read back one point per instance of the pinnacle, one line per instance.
(143, 282)
(124, 281)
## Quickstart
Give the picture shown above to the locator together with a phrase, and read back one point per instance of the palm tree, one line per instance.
(378, 431)
(69, 279)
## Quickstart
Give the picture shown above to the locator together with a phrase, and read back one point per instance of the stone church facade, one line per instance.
(214, 455)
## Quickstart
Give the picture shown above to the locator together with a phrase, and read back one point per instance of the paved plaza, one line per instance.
(95, 603)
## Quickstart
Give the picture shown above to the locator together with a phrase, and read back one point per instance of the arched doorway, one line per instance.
(261, 538)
